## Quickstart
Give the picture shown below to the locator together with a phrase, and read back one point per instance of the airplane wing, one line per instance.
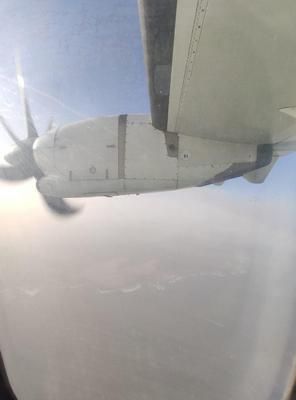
(222, 69)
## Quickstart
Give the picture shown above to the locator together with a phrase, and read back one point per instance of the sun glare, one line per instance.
(20, 81)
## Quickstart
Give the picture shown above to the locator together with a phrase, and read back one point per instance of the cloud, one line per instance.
(134, 239)
(194, 276)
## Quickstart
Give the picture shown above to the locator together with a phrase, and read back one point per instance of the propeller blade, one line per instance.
(31, 129)
(50, 125)
(18, 173)
(10, 131)
(60, 206)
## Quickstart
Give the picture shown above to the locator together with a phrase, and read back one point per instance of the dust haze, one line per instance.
(161, 296)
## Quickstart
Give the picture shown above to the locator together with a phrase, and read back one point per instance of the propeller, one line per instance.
(21, 159)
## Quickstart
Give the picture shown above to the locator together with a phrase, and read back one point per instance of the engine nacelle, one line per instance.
(55, 186)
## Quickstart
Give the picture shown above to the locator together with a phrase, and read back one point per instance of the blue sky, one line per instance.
(87, 54)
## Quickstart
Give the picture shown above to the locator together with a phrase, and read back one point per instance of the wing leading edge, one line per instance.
(158, 26)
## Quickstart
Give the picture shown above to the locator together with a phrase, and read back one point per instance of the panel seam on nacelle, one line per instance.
(122, 123)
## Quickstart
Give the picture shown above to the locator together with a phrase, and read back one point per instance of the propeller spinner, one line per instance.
(21, 159)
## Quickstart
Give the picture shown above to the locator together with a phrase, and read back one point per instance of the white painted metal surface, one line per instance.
(233, 69)
(84, 159)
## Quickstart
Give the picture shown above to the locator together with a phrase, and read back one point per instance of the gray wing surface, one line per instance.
(222, 69)
(158, 26)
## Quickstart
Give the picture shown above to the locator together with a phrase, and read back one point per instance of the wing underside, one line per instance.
(158, 27)
(222, 69)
